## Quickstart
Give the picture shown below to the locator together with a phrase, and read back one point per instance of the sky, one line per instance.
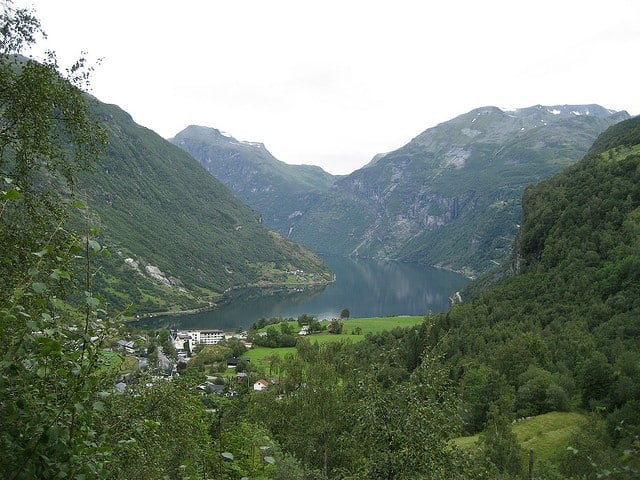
(335, 82)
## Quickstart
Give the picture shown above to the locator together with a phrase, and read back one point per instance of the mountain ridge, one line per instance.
(179, 237)
(449, 198)
(461, 179)
(254, 174)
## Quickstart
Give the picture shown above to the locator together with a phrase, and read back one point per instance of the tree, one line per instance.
(51, 323)
(335, 326)
(308, 419)
(501, 444)
(157, 432)
(345, 314)
(403, 431)
(237, 347)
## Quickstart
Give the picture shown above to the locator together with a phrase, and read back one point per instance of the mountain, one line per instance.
(178, 237)
(277, 190)
(565, 330)
(452, 196)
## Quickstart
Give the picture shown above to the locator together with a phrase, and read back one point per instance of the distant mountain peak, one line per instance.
(211, 135)
(563, 110)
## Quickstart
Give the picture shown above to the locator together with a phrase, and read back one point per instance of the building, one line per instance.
(196, 337)
(260, 385)
(210, 337)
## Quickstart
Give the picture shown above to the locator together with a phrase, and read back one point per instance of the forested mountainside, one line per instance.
(561, 335)
(452, 196)
(277, 190)
(564, 333)
(178, 237)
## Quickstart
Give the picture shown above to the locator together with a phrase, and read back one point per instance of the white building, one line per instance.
(196, 337)
(210, 337)
(260, 385)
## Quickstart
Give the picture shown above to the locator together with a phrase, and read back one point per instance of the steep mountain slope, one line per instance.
(451, 196)
(566, 328)
(277, 190)
(178, 236)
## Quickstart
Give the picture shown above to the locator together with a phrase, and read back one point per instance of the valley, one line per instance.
(531, 370)
(450, 198)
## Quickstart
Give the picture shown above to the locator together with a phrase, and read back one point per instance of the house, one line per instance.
(215, 389)
(128, 347)
(232, 362)
(182, 341)
(260, 385)
(210, 337)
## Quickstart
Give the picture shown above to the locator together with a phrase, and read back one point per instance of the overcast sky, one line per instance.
(332, 83)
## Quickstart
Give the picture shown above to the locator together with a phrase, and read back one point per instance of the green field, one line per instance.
(547, 435)
(260, 355)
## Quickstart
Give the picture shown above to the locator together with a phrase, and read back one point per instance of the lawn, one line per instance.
(259, 356)
(547, 435)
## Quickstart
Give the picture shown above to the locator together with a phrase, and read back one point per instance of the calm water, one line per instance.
(367, 288)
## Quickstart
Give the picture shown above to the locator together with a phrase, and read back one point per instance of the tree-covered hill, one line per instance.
(178, 236)
(563, 333)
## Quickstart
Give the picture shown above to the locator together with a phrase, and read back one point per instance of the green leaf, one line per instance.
(98, 406)
(95, 246)
(92, 301)
(270, 460)
(12, 195)
(38, 287)
(227, 455)
(58, 274)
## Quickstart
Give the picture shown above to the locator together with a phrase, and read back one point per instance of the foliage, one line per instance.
(500, 443)
(180, 238)
(158, 431)
(404, 429)
(335, 326)
(563, 332)
(51, 322)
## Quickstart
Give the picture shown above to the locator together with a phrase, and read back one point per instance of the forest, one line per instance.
(558, 332)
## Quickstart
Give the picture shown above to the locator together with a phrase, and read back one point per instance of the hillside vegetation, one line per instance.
(178, 237)
(279, 191)
(452, 196)
(560, 335)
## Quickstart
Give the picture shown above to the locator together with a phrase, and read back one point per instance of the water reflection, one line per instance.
(367, 288)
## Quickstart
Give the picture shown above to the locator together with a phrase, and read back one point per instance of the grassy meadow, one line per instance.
(548, 435)
(260, 355)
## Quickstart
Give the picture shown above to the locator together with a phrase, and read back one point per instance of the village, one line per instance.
(217, 354)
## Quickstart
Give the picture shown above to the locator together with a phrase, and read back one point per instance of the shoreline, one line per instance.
(223, 298)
